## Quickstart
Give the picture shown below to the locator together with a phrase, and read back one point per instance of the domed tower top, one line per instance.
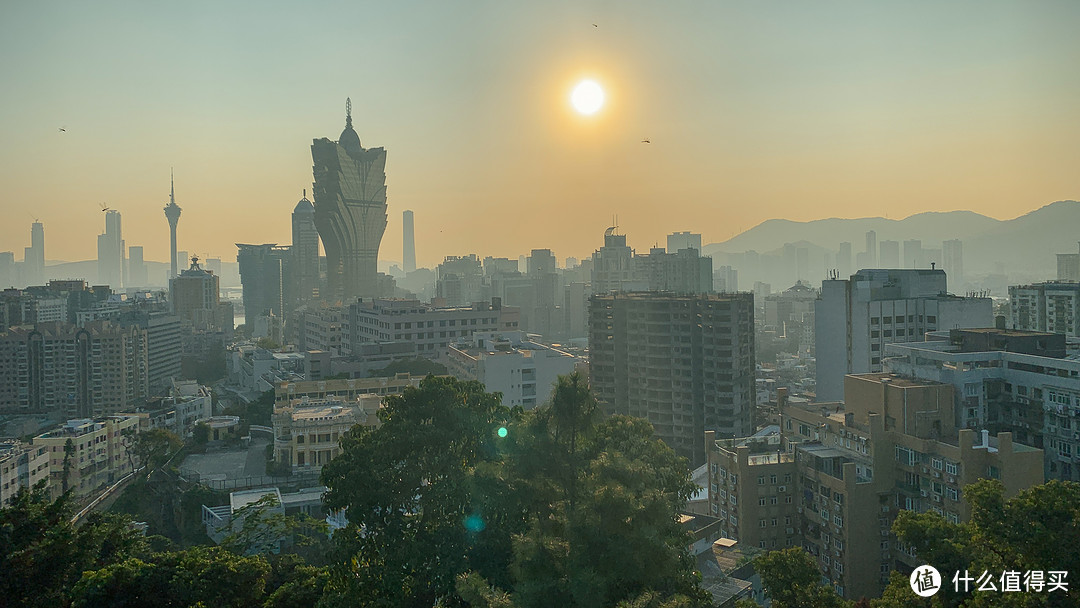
(304, 206)
(349, 139)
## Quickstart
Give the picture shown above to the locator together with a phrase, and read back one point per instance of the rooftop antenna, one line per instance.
(172, 187)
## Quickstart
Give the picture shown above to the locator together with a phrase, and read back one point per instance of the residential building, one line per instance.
(837, 475)
(1005, 380)
(890, 255)
(683, 362)
(1068, 266)
(350, 211)
(98, 455)
(614, 268)
(524, 372)
(796, 303)
(952, 260)
(683, 240)
(60, 369)
(877, 307)
(265, 275)
(459, 280)
(21, 466)
(34, 256)
(324, 329)
(430, 328)
(137, 272)
(195, 298)
(1053, 306)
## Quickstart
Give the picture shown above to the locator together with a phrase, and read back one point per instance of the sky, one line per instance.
(754, 110)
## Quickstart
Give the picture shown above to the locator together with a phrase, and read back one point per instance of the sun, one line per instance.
(587, 97)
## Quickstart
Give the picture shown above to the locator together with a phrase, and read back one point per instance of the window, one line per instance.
(839, 521)
(950, 468)
(761, 501)
(761, 480)
(761, 523)
(772, 522)
(772, 479)
(772, 500)
(936, 463)
(993, 472)
(952, 493)
(787, 500)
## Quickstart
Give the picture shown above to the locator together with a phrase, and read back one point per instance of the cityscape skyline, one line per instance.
(846, 106)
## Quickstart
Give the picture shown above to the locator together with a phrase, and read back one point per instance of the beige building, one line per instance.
(21, 466)
(100, 455)
(307, 432)
(345, 389)
(852, 469)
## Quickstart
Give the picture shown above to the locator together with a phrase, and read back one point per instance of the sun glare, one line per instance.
(587, 97)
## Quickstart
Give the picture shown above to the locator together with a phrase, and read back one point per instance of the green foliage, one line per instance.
(566, 509)
(170, 508)
(257, 412)
(265, 528)
(791, 580)
(200, 435)
(1038, 529)
(195, 577)
(267, 343)
(419, 366)
(42, 554)
(407, 483)
(155, 447)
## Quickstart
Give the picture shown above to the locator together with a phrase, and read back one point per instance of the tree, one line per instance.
(42, 554)
(406, 484)
(1038, 529)
(264, 528)
(791, 580)
(196, 577)
(153, 447)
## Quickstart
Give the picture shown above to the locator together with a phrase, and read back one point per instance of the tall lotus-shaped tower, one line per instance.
(350, 211)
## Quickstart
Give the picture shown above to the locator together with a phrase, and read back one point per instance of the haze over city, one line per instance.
(752, 112)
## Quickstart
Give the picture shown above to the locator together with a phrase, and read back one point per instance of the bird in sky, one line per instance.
(63, 130)
(645, 141)
(594, 25)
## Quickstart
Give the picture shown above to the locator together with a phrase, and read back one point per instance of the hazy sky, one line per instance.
(755, 110)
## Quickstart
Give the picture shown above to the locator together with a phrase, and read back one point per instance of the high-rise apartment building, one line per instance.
(100, 453)
(265, 275)
(952, 260)
(408, 242)
(350, 211)
(683, 240)
(305, 251)
(683, 362)
(61, 369)
(1005, 380)
(913, 254)
(22, 466)
(855, 317)
(1068, 266)
(871, 249)
(844, 261)
(890, 255)
(137, 273)
(1051, 306)
(832, 478)
(459, 280)
(195, 298)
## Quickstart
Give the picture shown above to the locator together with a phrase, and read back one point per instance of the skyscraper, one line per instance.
(263, 278)
(952, 258)
(890, 255)
(350, 210)
(408, 244)
(137, 276)
(34, 256)
(305, 250)
(871, 248)
(685, 363)
(172, 213)
(111, 252)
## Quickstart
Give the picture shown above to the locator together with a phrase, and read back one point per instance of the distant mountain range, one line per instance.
(1026, 245)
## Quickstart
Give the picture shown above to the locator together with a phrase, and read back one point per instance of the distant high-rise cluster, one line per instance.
(305, 250)
(350, 211)
(616, 267)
